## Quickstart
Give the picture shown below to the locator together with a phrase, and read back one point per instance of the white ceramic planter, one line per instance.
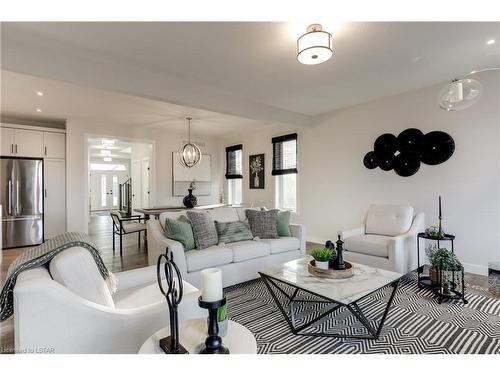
(321, 265)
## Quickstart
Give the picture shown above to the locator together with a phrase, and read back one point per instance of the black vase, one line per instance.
(190, 200)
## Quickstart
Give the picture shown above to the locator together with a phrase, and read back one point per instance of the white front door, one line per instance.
(104, 189)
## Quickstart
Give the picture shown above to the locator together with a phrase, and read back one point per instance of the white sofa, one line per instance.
(387, 239)
(239, 261)
(78, 314)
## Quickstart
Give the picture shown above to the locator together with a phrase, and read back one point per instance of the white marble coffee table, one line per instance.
(192, 335)
(296, 286)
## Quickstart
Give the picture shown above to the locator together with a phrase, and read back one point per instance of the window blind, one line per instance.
(284, 154)
(234, 162)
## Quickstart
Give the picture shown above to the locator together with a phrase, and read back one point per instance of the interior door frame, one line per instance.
(86, 201)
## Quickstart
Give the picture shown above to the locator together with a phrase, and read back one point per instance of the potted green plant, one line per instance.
(321, 257)
(441, 259)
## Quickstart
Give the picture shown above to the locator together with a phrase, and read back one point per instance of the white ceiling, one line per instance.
(250, 69)
(61, 101)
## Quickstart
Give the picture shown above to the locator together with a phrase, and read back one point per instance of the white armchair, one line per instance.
(77, 314)
(387, 240)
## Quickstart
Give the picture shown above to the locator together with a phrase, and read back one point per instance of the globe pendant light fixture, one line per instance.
(462, 93)
(190, 153)
(315, 46)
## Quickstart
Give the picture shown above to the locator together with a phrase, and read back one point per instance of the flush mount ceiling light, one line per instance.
(315, 46)
(190, 153)
(107, 159)
(461, 93)
(106, 152)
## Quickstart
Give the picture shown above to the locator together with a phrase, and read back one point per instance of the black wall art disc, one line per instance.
(386, 161)
(386, 144)
(438, 147)
(406, 164)
(411, 140)
(371, 160)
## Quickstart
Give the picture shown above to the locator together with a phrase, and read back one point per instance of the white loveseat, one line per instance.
(78, 314)
(387, 239)
(239, 261)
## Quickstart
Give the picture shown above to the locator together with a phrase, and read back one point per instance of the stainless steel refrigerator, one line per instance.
(21, 190)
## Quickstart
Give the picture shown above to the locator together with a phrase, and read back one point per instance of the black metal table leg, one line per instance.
(353, 308)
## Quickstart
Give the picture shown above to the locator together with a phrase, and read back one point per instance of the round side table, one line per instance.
(193, 332)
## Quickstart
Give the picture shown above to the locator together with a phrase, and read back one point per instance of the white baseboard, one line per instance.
(476, 268)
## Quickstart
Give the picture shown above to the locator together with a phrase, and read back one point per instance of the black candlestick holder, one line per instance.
(173, 295)
(213, 343)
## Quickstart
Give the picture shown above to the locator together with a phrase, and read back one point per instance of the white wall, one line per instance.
(77, 131)
(335, 188)
(172, 142)
(257, 143)
(164, 143)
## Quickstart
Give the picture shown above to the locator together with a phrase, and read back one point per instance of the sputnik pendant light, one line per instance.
(315, 46)
(190, 153)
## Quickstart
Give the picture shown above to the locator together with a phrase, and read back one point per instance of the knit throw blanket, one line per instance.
(43, 254)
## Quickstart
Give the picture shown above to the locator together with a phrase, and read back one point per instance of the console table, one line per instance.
(156, 211)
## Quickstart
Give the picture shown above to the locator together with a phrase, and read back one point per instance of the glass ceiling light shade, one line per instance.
(460, 94)
(190, 153)
(315, 46)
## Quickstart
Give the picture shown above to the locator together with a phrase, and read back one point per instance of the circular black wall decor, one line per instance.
(411, 140)
(406, 164)
(438, 147)
(371, 160)
(385, 144)
(408, 150)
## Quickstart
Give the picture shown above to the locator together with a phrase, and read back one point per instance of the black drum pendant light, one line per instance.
(190, 153)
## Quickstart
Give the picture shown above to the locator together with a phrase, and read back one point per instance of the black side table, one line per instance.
(424, 280)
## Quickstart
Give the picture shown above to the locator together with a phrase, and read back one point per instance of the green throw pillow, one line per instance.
(233, 231)
(283, 224)
(180, 230)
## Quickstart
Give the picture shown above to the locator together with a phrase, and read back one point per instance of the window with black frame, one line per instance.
(285, 171)
(234, 174)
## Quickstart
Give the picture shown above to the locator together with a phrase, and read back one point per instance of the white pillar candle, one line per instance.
(211, 284)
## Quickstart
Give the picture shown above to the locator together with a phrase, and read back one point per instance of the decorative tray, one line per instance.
(331, 273)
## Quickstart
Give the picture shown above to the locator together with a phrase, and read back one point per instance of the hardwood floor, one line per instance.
(133, 257)
(100, 230)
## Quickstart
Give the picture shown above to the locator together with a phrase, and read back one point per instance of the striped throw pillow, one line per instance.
(233, 231)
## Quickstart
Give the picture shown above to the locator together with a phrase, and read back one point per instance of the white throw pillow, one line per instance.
(388, 220)
(75, 268)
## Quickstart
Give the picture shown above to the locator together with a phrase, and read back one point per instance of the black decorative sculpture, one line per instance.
(339, 261)
(173, 295)
(411, 147)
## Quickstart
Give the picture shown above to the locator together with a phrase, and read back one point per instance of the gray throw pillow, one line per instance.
(233, 231)
(204, 231)
(263, 223)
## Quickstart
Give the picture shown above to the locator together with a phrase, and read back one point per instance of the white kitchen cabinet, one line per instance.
(54, 197)
(7, 140)
(55, 145)
(28, 143)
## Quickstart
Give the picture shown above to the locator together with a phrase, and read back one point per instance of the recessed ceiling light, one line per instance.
(106, 152)
(107, 159)
(490, 42)
(39, 93)
(38, 110)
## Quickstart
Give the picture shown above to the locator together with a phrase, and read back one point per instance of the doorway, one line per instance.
(113, 162)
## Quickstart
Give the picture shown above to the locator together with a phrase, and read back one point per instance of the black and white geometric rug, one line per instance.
(416, 323)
